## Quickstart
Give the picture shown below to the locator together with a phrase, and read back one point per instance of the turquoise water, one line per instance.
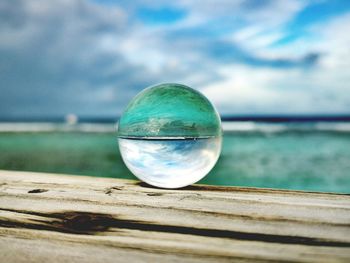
(302, 160)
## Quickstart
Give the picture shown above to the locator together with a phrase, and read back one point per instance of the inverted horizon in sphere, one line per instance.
(170, 136)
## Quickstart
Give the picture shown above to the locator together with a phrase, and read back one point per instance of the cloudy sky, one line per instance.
(91, 57)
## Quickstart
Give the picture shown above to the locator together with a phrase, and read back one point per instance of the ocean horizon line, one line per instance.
(265, 118)
(227, 126)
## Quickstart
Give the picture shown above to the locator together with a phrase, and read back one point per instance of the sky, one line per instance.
(91, 57)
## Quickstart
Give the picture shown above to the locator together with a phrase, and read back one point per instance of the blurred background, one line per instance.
(277, 71)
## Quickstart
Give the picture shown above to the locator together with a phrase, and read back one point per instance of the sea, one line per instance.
(281, 152)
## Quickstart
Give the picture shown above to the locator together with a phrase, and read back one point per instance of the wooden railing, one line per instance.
(60, 218)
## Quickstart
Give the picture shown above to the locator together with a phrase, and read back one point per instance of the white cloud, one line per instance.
(81, 56)
(322, 89)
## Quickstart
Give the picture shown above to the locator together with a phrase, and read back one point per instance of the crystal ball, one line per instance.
(170, 135)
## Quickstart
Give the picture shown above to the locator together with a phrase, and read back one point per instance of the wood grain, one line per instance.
(60, 218)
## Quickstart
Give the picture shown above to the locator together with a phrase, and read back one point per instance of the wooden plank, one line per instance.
(59, 218)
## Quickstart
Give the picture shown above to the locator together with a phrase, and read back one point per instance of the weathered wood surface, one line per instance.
(58, 218)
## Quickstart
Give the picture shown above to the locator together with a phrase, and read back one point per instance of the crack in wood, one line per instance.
(109, 190)
(208, 213)
(91, 223)
(37, 191)
(155, 194)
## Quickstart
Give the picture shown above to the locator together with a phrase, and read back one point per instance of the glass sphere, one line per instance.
(170, 136)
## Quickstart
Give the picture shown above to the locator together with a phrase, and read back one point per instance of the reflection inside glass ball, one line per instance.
(170, 136)
(170, 163)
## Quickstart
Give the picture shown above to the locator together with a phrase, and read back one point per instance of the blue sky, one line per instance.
(91, 57)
